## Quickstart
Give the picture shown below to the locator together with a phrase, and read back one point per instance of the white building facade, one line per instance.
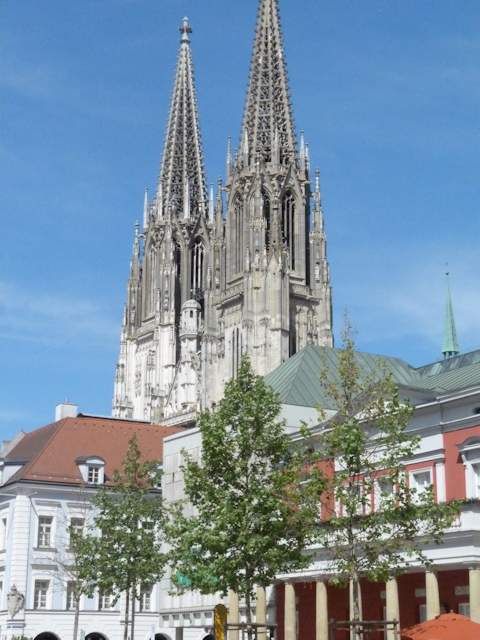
(48, 478)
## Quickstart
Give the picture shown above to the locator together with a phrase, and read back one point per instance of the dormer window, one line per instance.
(92, 469)
(93, 474)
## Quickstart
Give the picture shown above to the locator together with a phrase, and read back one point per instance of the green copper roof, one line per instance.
(457, 362)
(450, 342)
(297, 381)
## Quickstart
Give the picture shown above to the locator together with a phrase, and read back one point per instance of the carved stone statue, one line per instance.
(15, 601)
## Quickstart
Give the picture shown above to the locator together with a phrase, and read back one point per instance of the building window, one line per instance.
(196, 267)
(266, 217)
(71, 603)
(470, 452)
(76, 527)
(145, 602)
(104, 601)
(357, 498)
(40, 594)
(476, 480)
(420, 481)
(422, 613)
(93, 474)
(238, 232)
(3, 533)
(383, 492)
(45, 524)
(288, 226)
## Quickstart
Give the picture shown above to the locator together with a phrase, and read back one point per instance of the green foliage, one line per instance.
(369, 441)
(252, 517)
(81, 570)
(129, 517)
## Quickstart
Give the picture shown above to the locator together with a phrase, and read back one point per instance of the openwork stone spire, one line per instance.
(268, 119)
(182, 184)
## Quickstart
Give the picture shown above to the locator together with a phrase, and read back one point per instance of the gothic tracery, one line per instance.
(207, 286)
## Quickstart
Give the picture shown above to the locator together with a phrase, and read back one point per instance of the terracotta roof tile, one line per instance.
(50, 453)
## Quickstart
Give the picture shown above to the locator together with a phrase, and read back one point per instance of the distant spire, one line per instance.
(182, 161)
(135, 260)
(268, 77)
(317, 210)
(450, 342)
(229, 157)
(219, 205)
(211, 205)
(317, 192)
(145, 210)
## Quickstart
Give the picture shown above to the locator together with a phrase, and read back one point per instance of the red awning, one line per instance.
(448, 626)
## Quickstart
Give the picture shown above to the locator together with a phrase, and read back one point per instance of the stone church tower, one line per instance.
(214, 278)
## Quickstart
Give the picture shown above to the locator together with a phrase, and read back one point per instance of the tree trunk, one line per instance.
(356, 605)
(132, 628)
(127, 611)
(76, 618)
(248, 614)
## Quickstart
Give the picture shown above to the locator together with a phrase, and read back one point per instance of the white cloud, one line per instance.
(53, 318)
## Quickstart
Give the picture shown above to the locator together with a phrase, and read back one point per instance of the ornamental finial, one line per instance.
(185, 30)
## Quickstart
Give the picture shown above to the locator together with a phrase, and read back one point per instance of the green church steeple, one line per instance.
(450, 342)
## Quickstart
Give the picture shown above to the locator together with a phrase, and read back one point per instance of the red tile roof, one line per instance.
(50, 454)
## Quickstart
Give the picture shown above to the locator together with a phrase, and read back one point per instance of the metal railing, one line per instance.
(362, 629)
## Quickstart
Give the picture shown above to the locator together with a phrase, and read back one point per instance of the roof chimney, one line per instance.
(65, 410)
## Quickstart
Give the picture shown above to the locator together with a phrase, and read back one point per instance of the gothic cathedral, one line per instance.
(212, 278)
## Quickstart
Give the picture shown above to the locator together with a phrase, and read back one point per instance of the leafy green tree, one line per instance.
(378, 521)
(126, 555)
(252, 515)
(73, 559)
(78, 570)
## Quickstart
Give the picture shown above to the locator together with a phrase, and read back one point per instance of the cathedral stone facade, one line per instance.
(242, 272)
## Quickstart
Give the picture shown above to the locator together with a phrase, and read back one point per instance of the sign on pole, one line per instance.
(219, 621)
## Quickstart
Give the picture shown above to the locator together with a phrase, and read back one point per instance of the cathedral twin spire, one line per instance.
(213, 278)
(267, 129)
(182, 186)
(268, 125)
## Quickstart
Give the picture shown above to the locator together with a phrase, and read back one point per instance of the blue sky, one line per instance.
(388, 93)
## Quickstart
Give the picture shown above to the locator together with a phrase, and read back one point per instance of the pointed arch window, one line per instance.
(288, 225)
(237, 350)
(238, 233)
(197, 256)
(267, 217)
(150, 268)
(177, 255)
